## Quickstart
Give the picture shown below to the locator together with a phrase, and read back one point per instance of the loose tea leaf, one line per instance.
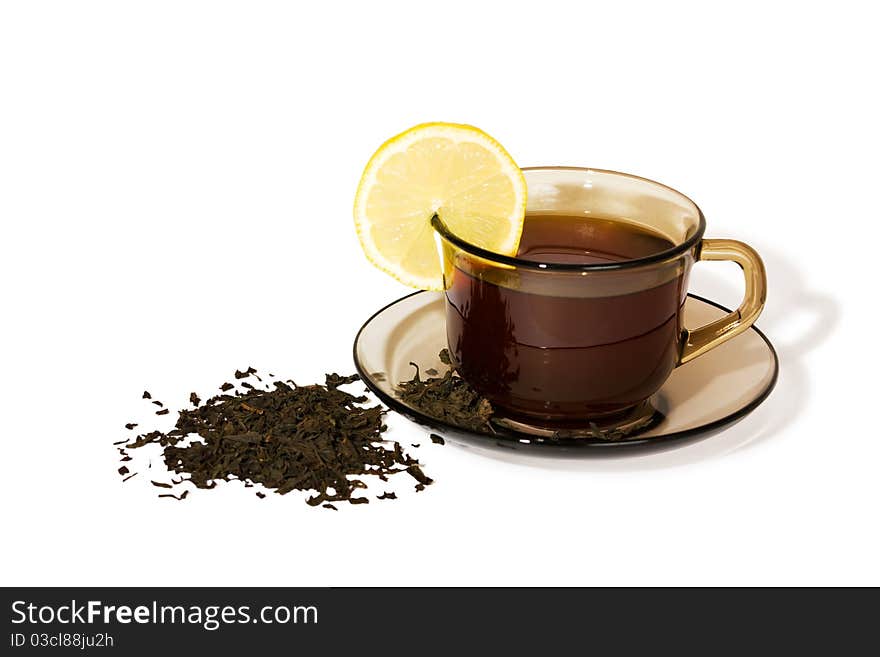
(307, 438)
(159, 484)
(194, 399)
(243, 375)
(387, 496)
(419, 476)
(146, 395)
(447, 398)
(335, 380)
(164, 411)
(130, 426)
(182, 496)
(437, 440)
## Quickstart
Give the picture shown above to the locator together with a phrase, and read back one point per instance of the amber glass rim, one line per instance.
(514, 261)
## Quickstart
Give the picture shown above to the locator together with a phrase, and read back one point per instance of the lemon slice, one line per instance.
(455, 171)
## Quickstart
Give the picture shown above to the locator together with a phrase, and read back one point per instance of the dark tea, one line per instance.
(571, 349)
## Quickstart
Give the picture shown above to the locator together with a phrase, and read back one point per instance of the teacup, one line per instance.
(585, 324)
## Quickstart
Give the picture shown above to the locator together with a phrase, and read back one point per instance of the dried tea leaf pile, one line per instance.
(285, 437)
(447, 397)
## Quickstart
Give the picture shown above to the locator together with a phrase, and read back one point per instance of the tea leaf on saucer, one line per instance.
(448, 398)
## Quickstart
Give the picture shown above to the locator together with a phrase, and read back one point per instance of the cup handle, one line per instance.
(699, 341)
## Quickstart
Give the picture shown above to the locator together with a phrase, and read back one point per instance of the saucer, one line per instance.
(699, 398)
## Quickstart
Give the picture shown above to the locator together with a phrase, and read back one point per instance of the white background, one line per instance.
(176, 182)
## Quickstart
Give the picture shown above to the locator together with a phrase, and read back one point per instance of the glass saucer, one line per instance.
(699, 399)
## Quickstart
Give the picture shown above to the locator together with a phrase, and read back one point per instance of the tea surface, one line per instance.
(586, 241)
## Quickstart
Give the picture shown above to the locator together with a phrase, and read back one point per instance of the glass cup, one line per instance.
(556, 346)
